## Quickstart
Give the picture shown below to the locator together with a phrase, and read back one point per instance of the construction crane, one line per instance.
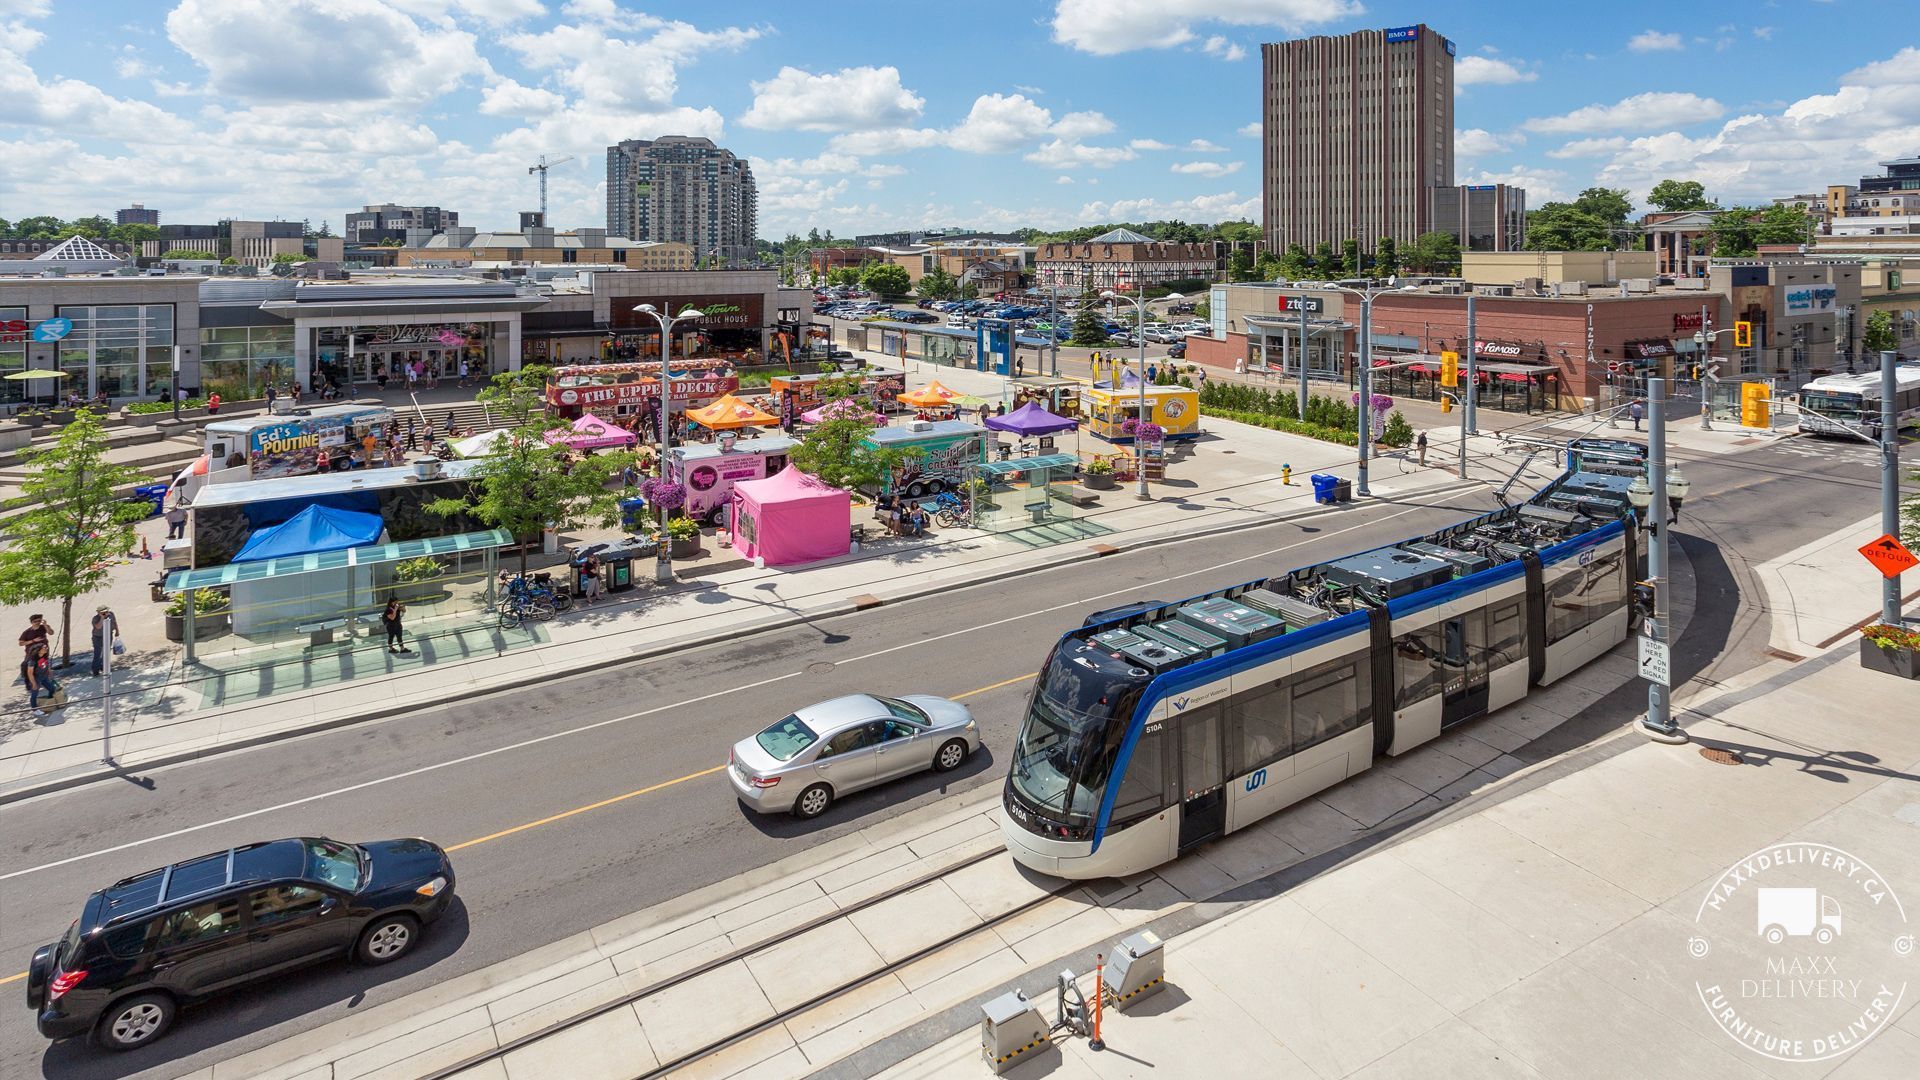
(542, 170)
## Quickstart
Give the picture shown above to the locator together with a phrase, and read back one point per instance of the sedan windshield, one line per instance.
(335, 864)
(786, 738)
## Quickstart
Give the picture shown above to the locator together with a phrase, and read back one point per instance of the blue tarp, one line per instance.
(317, 528)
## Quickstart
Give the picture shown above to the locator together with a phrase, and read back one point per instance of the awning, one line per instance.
(217, 576)
(1420, 369)
(1512, 377)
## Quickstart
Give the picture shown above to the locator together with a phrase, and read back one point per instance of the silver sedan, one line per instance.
(822, 752)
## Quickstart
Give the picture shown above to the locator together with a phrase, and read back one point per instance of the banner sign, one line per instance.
(1292, 303)
(1497, 348)
(589, 397)
(1811, 298)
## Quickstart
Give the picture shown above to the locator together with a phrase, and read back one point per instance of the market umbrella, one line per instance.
(592, 433)
(39, 373)
(731, 412)
(929, 395)
(968, 401)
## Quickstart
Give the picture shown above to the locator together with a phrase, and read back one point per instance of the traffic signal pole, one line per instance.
(1472, 419)
(1889, 480)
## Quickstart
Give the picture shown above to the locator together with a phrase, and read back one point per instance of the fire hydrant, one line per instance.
(1286, 474)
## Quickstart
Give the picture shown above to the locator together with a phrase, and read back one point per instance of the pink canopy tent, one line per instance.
(592, 433)
(789, 518)
(845, 407)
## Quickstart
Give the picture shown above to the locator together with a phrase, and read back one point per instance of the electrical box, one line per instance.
(1463, 562)
(1232, 621)
(1213, 644)
(1390, 573)
(1137, 970)
(1011, 1029)
(1153, 655)
(1295, 613)
(1116, 640)
(1185, 648)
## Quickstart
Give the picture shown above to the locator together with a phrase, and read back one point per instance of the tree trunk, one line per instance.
(66, 631)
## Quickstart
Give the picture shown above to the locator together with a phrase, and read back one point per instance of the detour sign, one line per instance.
(1889, 555)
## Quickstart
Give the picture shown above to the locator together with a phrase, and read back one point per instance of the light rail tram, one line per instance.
(1158, 727)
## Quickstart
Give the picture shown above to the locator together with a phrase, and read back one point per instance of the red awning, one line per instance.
(1421, 369)
(1514, 376)
(1383, 363)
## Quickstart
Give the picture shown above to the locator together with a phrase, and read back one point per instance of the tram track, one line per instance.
(780, 1015)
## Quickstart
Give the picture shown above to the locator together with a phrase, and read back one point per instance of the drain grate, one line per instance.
(1782, 654)
(1722, 757)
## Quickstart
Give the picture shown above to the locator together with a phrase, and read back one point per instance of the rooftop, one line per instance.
(1121, 236)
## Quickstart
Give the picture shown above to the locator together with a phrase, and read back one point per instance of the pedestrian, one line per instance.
(34, 634)
(367, 443)
(1636, 412)
(463, 371)
(293, 394)
(630, 476)
(413, 438)
(590, 580)
(322, 462)
(390, 619)
(271, 395)
(353, 391)
(36, 670)
(449, 423)
(1420, 444)
(176, 521)
(213, 403)
(106, 635)
(380, 377)
(413, 376)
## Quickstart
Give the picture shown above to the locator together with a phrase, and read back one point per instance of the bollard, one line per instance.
(1096, 1043)
(1286, 474)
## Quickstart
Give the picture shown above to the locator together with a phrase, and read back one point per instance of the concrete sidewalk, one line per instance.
(1546, 925)
(171, 713)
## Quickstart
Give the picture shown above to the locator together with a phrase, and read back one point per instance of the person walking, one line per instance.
(1420, 444)
(176, 521)
(464, 371)
(36, 671)
(1634, 410)
(390, 619)
(272, 394)
(413, 436)
(213, 403)
(34, 634)
(106, 635)
(590, 580)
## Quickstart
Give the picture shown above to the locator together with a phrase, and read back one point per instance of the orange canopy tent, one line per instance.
(932, 394)
(731, 412)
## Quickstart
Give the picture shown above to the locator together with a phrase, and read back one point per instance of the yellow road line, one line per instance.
(13, 978)
(995, 686)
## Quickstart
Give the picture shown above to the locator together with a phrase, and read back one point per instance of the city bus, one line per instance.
(1835, 403)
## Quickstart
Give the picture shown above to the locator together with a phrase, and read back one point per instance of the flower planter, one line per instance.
(1904, 663)
(204, 626)
(684, 549)
(1099, 481)
(61, 416)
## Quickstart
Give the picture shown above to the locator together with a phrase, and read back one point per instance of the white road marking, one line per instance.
(408, 774)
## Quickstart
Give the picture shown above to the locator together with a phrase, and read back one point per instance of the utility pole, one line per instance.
(1659, 719)
(1889, 479)
(1473, 376)
(1302, 301)
(1366, 390)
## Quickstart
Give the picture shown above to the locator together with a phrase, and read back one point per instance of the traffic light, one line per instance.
(1446, 404)
(1449, 369)
(1645, 599)
(1696, 372)
(1743, 335)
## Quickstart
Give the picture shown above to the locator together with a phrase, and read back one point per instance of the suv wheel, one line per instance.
(387, 938)
(136, 1021)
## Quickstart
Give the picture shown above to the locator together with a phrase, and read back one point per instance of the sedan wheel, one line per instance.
(813, 802)
(136, 1022)
(950, 756)
(388, 939)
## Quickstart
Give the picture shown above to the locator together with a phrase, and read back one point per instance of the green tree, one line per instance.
(1738, 231)
(40, 227)
(1559, 226)
(1296, 263)
(1236, 231)
(1611, 205)
(1386, 258)
(1087, 327)
(93, 228)
(888, 279)
(1350, 257)
(287, 258)
(1783, 225)
(937, 284)
(834, 449)
(1878, 335)
(1268, 267)
(229, 261)
(1434, 252)
(187, 253)
(844, 275)
(133, 233)
(1240, 266)
(78, 527)
(1326, 264)
(1673, 196)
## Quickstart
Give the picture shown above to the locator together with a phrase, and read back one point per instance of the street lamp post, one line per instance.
(1140, 306)
(1889, 478)
(173, 387)
(1645, 495)
(663, 553)
(1366, 371)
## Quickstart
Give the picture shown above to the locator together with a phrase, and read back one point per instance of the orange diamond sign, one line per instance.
(1889, 556)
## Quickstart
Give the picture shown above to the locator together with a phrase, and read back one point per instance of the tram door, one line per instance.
(1464, 653)
(1203, 790)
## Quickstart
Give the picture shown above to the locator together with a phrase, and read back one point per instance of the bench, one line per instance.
(1078, 496)
(320, 633)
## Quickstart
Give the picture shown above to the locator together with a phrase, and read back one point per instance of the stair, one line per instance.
(465, 415)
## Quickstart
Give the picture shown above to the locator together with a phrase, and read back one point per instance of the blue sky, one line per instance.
(862, 116)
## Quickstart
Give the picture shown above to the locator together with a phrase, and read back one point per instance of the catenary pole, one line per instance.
(1889, 478)
(1473, 373)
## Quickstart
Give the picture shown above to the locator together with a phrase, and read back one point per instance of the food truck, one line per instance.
(289, 444)
(795, 394)
(709, 470)
(946, 449)
(1175, 408)
(623, 390)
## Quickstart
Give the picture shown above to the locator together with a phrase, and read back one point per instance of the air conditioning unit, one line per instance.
(1691, 284)
(1531, 284)
(1452, 290)
(1636, 285)
(1569, 288)
(1495, 290)
(919, 425)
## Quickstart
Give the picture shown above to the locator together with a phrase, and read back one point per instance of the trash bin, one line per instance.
(1343, 491)
(152, 493)
(1323, 487)
(631, 511)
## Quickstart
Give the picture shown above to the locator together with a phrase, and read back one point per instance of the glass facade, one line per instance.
(13, 357)
(238, 362)
(118, 352)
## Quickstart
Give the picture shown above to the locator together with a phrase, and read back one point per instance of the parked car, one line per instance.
(824, 752)
(146, 945)
(1178, 351)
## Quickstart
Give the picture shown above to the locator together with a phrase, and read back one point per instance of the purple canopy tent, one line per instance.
(1031, 419)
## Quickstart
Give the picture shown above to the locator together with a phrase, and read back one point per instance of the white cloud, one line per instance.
(1147, 144)
(1764, 33)
(1251, 131)
(1639, 112)
(1598, 147)
(1654, 41)
(612, 71)
(1543, 185)
(998, 123)
(1066, 154)
(1228, 206)
(73, 107)
(25, 9)
(1202, 146)
(1063, 179)
(509, 98)
(1900, 69)
(1032, 91)
(264, 50)
(851, 99)
(885, 170)
(1478, 142)
(176, 89)
(1484, 71)
(1219, 46)
(495, 13)
(1107, 27)
(130, 66)
(1082, 125)
(1208, 168)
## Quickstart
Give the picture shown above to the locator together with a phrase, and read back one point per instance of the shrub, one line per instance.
(148, 408)
(424, 568)
(682, 528)
(205, 602)
(1398, 432)
(1891, 638)
(1343, 436)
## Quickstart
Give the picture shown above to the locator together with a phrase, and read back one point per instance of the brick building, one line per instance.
(1122, 260)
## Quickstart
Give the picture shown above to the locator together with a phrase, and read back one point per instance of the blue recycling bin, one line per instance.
(1325, 487)
(631, 512)
(155, 494)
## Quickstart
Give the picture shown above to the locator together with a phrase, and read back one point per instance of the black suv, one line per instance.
(147, 945)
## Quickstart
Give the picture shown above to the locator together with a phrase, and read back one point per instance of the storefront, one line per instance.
(112, 337)
(1274, 344)
(365, 354)
(355, 332)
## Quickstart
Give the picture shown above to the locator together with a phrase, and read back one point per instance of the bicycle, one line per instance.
(515, 610)
(541, 589)
(949, 509)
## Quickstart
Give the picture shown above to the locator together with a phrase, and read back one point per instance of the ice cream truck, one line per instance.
(709, 470)
(946, 448)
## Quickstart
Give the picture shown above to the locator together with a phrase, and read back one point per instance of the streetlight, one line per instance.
(1366, 367)
(663, 553)
(1658, 723)
(1146, 416)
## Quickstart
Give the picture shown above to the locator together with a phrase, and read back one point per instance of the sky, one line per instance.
(861, 116)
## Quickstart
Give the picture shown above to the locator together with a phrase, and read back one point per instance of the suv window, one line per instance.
(197, 876)
(280, 903)
(130, 940)
(199, 923)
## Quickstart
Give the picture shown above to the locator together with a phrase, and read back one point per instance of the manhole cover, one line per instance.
(1721, 757)
(820, 668)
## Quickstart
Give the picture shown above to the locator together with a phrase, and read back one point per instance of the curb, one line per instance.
(21, 790)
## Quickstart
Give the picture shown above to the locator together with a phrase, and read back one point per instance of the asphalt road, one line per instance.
(599, 795)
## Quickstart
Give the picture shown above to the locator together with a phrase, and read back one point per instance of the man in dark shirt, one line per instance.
(36, 632)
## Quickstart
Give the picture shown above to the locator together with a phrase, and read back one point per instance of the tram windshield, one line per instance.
(1072, 732)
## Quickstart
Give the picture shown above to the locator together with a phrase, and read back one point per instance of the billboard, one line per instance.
(724, 311)
(1807, 299)
(292, 448)
(1402, 33)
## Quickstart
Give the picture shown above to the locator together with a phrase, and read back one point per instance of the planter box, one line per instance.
(1904, 663)
(204, 626)
(684, 549)
(62, 416)
(1099, 481)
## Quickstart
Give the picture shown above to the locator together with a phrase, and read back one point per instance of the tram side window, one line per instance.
(1141, 787)
(1261, 725)
(1419, 665)
(1582, 595)
(1507, 634)
(1328, 700)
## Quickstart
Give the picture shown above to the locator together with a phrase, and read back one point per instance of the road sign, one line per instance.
(1889, 556)
(1656, 661)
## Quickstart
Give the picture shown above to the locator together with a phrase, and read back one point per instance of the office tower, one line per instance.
(682, 190)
